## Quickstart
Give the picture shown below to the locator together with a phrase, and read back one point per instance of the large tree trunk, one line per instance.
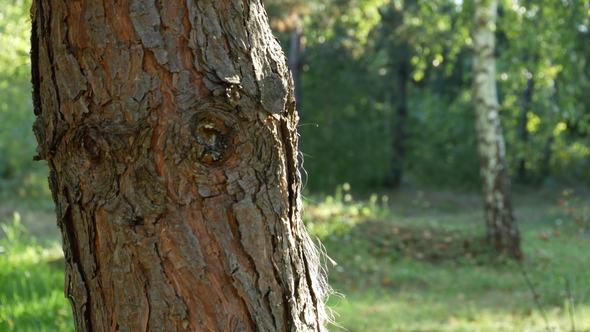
(170, 132)
(502, 231)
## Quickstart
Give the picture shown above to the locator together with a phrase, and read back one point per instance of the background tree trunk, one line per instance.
(396, 79)
(502, 231)
(547, 149)
(523, 134)
(399, 123)
(296, 50)
(169, 129)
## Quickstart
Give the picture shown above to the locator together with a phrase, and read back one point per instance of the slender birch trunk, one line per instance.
(502, 231)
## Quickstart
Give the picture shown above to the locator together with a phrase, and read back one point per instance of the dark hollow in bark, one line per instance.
(169, 128)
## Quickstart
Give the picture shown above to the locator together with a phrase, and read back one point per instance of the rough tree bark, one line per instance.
(169, 129)
(502, 231)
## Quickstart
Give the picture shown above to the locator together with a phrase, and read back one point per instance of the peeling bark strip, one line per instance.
(502, 231)
(169, 128)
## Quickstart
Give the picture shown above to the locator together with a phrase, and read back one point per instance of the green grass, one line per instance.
(31, 282)
(408, 268)
(407, 261)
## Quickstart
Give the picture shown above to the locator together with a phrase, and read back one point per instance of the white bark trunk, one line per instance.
(500, 223)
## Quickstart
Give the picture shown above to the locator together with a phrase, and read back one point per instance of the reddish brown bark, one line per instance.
(170, 132)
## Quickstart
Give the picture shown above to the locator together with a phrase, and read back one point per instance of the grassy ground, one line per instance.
(32, 278)
(421, 265)
(410, 261)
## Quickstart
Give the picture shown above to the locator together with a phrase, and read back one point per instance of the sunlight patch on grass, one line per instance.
(338, 214)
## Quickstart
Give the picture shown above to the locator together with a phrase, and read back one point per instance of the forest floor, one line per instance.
(418, 262)
(411, 260)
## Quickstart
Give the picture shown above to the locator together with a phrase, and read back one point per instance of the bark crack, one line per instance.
(75, 262)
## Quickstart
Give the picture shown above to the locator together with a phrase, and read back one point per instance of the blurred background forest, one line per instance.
(384, 92)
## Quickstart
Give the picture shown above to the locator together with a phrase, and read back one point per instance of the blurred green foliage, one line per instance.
(18, 173)
(350, 90)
